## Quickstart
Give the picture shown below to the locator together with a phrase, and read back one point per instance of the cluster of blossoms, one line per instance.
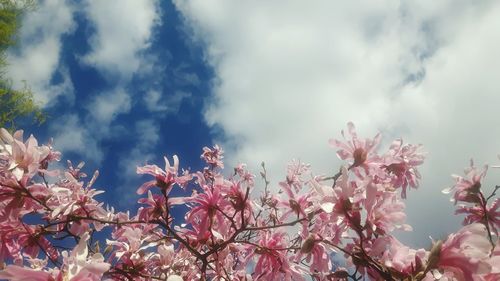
(233, 230)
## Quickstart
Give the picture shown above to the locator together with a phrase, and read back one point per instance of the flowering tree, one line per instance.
(231, 231)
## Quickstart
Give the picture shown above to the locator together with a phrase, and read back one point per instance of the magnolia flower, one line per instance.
(227, 234)
(467, 188)
(362, 152)
(477, 214)
(464, 253)
(343, 197)
(394, 254)
(401, 165)
(18, 273)
(272, 261)
(206, 213)
(79, 266)
(294, 204)
(213, 157)
(315, 253)
(164, 179)
(384, 211)
(23, 158)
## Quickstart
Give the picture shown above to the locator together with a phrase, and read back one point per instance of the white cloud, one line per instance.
(119, 50)
(105, 107)
(123, 30)
(38, 56)
(147, 135)
(289, 75)
(166, 104)
(71, 136)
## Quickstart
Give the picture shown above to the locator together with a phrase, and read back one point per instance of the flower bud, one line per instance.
(308, 245)
(434, 255)
(360, 155)
(5, 136)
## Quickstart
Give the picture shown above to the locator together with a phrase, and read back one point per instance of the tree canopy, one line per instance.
(14, 103)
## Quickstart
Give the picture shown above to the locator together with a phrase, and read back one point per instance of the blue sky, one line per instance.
(126, 82)
(115, 116)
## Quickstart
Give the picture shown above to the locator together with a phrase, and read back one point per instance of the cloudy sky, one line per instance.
(126, 82)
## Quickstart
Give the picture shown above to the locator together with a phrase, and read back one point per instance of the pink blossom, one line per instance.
(213, 156)
(79, 266)
(272, 262)
(229, 231)
(384, 211)
(315, 253)
(70, 197)
(239, 198)
(18, 273)
(465, 253)
(295, 171)
(341, 197)
(13, 195)
(401, 164)
(294, 204)
(477, 213)
(23, 158)
(245, 176)
(362, 152)
(164, 179)
(206, 212)
(156, 206)
(397, 256)
(32, 240)
(467, 188)
(76, 171)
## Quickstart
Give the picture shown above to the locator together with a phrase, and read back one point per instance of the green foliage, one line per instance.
(14, 103)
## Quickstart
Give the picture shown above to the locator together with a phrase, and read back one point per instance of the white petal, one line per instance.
(174, 278)
(327, 207)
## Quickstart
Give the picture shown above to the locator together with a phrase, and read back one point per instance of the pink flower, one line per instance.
(206, 212)
(70, 197)
(342, 198)
(213, 157)
(272, 261)
(13, 196)
(295, 171)
(294, 204)
(315, 253)
(18, 273)
(467, 188)
(156, 207)
(394, 254)
(164, 179)
(464, 253)
(23, 158)
(477, 214)
(494, 261)
(31, 239)
(245, 176)
(362, 152)
(80, 267)
(239, 198)
(76, 172)
(384, 211)
(401, 164)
